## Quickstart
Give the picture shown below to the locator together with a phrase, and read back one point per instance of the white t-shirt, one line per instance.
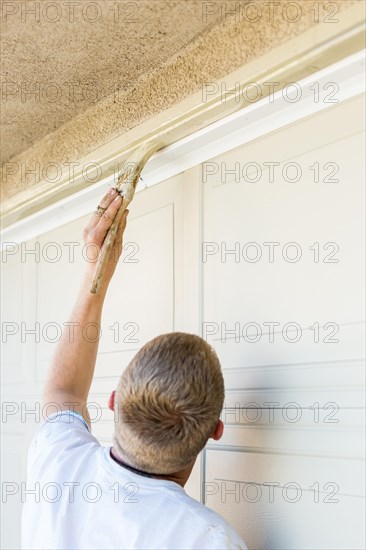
(83, 499)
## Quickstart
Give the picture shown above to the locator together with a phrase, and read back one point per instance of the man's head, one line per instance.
(168, 403)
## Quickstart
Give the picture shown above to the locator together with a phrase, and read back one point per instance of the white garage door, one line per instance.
(260, 251)
(283, 284)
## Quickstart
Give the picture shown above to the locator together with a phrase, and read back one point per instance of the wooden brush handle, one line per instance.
(107, 247)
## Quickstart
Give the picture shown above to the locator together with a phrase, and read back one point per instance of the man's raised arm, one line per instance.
(73, 362)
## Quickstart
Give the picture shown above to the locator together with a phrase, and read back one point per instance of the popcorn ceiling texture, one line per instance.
(156, 54)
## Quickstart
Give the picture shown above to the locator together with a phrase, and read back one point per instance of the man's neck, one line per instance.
(180, 477)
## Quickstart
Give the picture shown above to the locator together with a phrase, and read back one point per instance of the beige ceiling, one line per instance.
(72, 64)
(93, 81)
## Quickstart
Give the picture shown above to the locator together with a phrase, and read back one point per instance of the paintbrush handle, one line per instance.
(107, 247)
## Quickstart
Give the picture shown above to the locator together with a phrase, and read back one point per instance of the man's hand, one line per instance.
(95, 232)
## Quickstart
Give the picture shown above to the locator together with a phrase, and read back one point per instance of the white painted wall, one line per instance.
(320, 371)
(294, 410)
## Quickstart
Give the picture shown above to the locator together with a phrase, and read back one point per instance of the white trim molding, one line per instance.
(322, 90)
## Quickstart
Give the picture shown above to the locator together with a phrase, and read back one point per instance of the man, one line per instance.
(167, 405)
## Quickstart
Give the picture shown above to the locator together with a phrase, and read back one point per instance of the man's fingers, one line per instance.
(105, 221)
(104, 203)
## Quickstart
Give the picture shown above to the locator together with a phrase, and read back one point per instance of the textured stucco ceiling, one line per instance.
(93, 81)
(72, 63)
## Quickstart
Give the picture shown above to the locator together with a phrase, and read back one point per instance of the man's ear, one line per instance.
(219, 430)
(111, 401)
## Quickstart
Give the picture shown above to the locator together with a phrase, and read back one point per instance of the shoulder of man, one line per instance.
(59, 434)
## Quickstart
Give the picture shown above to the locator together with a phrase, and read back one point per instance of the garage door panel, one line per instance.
(311, 440)
(287, 518)
(262, 467)
(148, 274)
(13, 326)
(280, 247)
(257, 343)
(283, 306)
(60, 268)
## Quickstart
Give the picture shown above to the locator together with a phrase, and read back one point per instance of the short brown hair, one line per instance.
(168, 402)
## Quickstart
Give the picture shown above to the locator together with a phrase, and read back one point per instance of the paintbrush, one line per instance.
(126, 187)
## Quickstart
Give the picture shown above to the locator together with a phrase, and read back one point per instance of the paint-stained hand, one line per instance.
(95, 232)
